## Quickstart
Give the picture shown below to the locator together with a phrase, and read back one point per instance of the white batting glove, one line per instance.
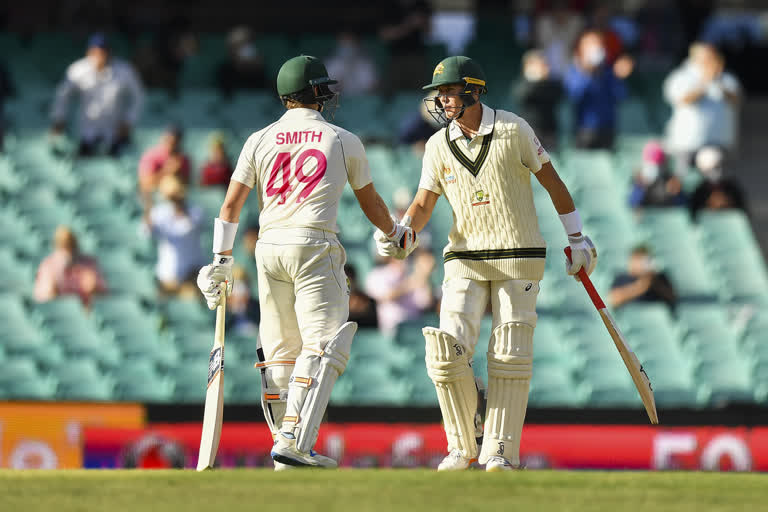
(583, 255)
(400, 243)
(211, 276)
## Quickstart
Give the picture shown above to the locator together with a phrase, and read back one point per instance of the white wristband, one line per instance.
(223, 235)
(571, 222)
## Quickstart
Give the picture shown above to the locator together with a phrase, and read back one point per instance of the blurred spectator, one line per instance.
(401, 293)
(595, 90)
(603, 20)
(352, 66)
(704, 101)
(164, 159)
(556, 33)
(66, 271)
(454, 25)
(244, 67)
(362, 308)
(6, 91)
(160, 61)
(538, 95)
(653, 184)
(176, 228)
(417, 127)
(243, 312)
(716, 192)
(217, 170)
(111, 98)
(404, 33)
(642, 282)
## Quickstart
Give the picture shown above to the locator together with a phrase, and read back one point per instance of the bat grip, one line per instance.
(587, 282)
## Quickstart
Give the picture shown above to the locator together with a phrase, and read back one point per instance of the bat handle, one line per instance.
(587, 282)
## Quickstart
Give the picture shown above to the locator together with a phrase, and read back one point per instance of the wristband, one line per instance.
(223, 235)
(571, 222)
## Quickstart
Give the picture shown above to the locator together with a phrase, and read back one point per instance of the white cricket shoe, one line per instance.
(455, 461)
(284, 452)
(496, 464)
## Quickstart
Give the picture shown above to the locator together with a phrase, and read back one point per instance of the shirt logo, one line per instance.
(481, 198)
(540, 149)
(439, 69)
(450, 177)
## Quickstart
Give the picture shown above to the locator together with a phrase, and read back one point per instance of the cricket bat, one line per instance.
(214, 397)
(639, 377)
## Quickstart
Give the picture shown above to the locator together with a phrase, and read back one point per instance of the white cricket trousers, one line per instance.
(303, 291)
(465, 301)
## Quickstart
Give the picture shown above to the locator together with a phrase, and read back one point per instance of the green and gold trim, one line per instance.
(472, 167)
(496, 254)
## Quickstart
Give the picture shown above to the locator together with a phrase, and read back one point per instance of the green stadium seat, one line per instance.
(189, 386)
(38, 389)
(186, 313)
(81, 379)
(139, 381)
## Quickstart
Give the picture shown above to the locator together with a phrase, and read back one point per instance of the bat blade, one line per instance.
(214, 396)
(639, 377)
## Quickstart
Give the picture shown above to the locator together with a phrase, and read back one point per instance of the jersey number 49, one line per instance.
(283, 163)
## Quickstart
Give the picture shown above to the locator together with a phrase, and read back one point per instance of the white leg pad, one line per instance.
(510, 365)
(448, 367)
(311, 384)
(274, 393)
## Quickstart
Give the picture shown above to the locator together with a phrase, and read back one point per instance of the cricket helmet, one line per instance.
(459, 70)
(304, 79)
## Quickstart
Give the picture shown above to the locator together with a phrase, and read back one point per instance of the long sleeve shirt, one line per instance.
(107, 97)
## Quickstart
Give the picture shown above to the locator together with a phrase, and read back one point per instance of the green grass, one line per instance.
(390, 490)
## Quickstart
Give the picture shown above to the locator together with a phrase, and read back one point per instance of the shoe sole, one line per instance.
(294, 463)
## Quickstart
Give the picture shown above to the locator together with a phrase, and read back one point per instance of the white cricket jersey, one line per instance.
(487, 181)
(298, 167)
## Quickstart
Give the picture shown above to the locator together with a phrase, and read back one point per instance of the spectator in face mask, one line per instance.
(653, 184)
(705, 100)
(595, 90)
(538, 94)
(641, 282)
(244, 67)
(352, 66)
(716, 192)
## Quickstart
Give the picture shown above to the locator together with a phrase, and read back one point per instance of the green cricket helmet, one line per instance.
(454, 70)
(304, 79)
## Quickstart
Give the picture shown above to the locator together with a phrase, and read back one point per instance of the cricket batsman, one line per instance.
(299, 166)
(482, 162)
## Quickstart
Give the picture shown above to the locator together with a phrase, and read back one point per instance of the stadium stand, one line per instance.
(134, 345)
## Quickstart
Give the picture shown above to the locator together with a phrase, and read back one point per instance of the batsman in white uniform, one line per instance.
(299, 166)
(482, 162)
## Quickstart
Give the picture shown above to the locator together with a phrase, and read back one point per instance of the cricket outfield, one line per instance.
(378, 490)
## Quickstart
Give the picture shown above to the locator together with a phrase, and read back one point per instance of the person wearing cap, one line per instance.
(482, 161)
(111, 99)
(166, 158)
(298, 166)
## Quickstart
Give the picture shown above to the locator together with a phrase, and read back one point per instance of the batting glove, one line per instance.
(583, 255)
(211, 276)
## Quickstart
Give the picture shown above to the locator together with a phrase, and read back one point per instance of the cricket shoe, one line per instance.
(496, 464)
(455, 461)
(284, 452)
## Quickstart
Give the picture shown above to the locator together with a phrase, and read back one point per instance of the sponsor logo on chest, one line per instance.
(449, 176)
(480, 198)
